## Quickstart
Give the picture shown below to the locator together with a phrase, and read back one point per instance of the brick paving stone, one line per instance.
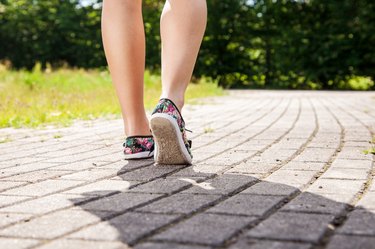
(52, 225)
(6, 200)
(90, 174)
(119, 202)
(294, 178)
(334, 186)
(359, 222)
(251, 167)
(352, 164)
(180, 203)
(311, 166)
(127, 227)
(343, 173)
(42, 188)
(351, 242)
(315, 155)
(12, 243)
(79, 244)
(303, 227)
(165, 185)
(199, 171)
(247, 243)
(148, 173)
(223, 184)
(7, 218)
(166, 245)
(244, 204)
(205, 228)
(101, 188)
(4, 185)
(367, 201)
(270, 188)
(45, 204)
(307, 202)
(36, 175)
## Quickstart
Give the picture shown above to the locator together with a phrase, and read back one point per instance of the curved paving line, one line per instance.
(154, 200)
(89, 182)
(362, 191)
(290, 198)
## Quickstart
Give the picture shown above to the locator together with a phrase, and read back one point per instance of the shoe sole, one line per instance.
(169, 145)
(139, 155)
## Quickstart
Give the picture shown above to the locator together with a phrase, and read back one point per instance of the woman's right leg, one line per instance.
(124, 46)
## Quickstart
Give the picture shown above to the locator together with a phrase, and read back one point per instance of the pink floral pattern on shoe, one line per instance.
(167, 106)
(136, 144)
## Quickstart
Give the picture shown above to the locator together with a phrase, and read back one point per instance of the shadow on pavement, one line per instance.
(178, 210)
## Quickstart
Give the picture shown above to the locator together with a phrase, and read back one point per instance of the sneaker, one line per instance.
(168, 129)
(139, 147)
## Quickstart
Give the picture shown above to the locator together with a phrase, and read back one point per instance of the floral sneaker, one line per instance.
(139, 147)
(168, 128)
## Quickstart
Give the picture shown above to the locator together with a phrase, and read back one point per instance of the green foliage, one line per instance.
(295, 44)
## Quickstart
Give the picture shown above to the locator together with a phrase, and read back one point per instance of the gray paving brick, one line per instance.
(353, 153)
(247, 243)
(359, 222)
(127, 227)
(7, 218)
(367, 201)
(180, 203)
(148, 173)
(205, 228)
(166, 245)
(119, 202)
(45, 204)
(52, 225)
(79, 244)
(315, 155)
(11, 243)
(203, 171)
(251, 167)
(6, 200)
(312, 166)
(36, 175)
(293, 226)
(270, 188)
(223, 184)
(101, 188)
(4, 185)
(351, 242)
(343, 173)
(90, 174)
(293, 178)
(244, 204)
(307, 202)
(164, 185)
(42, 188)
(353, 164)
(334, 186)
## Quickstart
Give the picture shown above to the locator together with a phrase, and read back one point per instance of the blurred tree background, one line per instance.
(288, 44)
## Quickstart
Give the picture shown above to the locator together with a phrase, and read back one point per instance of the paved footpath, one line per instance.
(272, 169)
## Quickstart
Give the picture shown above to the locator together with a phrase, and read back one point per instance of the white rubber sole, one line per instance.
(169, 145)
(140, 155)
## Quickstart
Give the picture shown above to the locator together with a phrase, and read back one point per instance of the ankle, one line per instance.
(177, 100)
(137, 127)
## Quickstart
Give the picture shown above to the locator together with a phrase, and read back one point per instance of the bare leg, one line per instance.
(183, 23)
(124, 45)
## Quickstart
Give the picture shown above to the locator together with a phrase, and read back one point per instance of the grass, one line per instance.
(372, 149)
(39, 98)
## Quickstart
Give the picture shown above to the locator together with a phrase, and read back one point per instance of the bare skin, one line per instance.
(182, 27)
